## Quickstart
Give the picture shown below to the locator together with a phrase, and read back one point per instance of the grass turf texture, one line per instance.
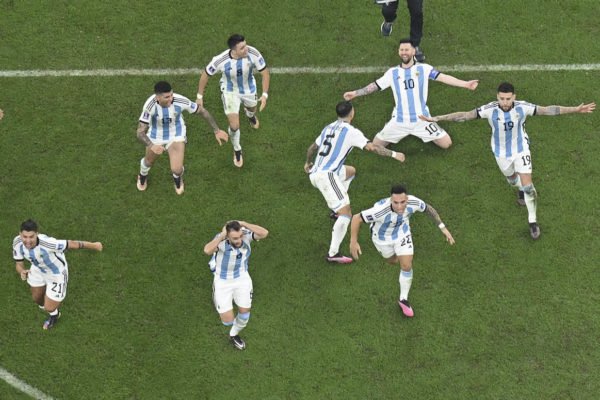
(497, 316)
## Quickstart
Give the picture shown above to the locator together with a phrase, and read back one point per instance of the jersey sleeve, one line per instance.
(486, 110)
(529, 108)
(386, 80)
(358, 138)
(52, 244)
(416, 205)
(257, 59)
(248, 235)
(375, 213)
(186, 104)
(214, 66)
(147, 111)
(17, 250)
(431, 72)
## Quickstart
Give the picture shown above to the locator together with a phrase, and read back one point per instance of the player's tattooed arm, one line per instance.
(433, 214)
(142, 130)
(457, 116)
(370, 88)
(310, 155)
(203, 112)
(557, 110)
(382, 151)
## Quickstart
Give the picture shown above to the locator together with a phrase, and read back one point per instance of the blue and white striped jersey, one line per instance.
(508, 127)
(410, 87)
(237, 74)
(335, 143)
(230, 262)
(386, 224)
(166, 123)
(47, 255)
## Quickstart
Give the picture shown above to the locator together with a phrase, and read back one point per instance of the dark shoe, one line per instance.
(406, 308)
(142, 182)
(521, 198)
(534, 229)
(333, 215)
(238, 342)
(386, 28)
(51, 321)
(419, 55)
(340, 259)
(254, 122)
(238, 159)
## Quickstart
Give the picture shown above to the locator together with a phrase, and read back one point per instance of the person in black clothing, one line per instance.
(415, 7)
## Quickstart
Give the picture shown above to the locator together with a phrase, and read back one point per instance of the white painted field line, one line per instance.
(22, 386)
(293, 70)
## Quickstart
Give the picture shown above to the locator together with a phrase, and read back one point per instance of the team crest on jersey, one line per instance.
(146, 115)
(211, 70)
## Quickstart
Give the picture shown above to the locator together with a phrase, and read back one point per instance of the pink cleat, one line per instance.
(340, 259)
(406, 308)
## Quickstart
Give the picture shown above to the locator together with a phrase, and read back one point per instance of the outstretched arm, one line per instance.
(81, 244)
(355, 250)
(310, 154)
(557, 110)
(370, 88)
(382, 151)
(461, 116)
(438, 221)
(452, 81)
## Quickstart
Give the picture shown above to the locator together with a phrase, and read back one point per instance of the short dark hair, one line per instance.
(234, 40)
(343, 109)
(406, 40)
(398, 189)
(29, 226)
(162, 87)
(233, 226)
(506, 87)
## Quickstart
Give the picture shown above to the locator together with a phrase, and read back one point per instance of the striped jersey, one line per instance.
(335, 143)
(230, 262)
(386, 224)
(166, 123)
(410, 87)
(508, 127)
(237, 74)
(47, 255)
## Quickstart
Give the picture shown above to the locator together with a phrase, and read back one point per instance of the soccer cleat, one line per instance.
(419, 55)
(238, 159)
(179, 190)
(142, 182)
(534, 230)
(253, 122)
(521, 198)
(238, 342)
(51, 321)
(338, 258)
(406, 308)
(333, 215)
(386, 28)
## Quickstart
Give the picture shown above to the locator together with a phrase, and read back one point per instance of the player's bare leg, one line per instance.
(234, 134)
(444, 142)
(531, 203)
(37, 294)
(405, 279)
(176, 154)
(337, 236)
(152, 153)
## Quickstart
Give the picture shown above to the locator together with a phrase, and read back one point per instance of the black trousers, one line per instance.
(415, 8)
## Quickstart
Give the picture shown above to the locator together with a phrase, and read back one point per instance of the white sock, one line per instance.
(235, 139)
(405, 282)
(249, 113)
(53, 313)
(531, 202)
(239, 323)
(338, 233)
(143, 168)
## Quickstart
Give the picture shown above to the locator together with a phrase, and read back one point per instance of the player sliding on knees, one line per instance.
(510, 143)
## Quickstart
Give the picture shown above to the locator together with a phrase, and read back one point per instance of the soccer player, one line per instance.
(162, 127)
(49, 272)
(410, 84)
(390, 232)
(415, 8)
(329, 174)
(238, 86)
(510, 143)
(230, 251)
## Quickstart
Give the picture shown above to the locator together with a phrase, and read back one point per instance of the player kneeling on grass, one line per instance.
(510, 142)
(230, 251)
(390, 229)
(162, 127)
(49, 272)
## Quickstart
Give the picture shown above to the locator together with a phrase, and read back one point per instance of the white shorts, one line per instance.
(56, 284)
(229, 291)
(167, 143)
(393, 131)
(233, 100)
(401, 247)
(331, 187)
(520, 163)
